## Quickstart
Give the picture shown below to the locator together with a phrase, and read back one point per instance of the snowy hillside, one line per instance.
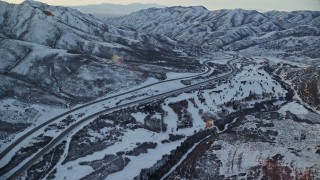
(65, 28)
(231, 29)
(42, 45)
(162, 93)
(54, 58)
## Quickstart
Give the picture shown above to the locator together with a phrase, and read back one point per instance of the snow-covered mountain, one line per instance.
(112, 10)
(65, 28)
(65, 54)
(231, 29)
(162, 93)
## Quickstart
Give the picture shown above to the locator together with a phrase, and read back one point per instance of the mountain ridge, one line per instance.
(65, 33)
(233, 30)
(172, 93)
(110, 10)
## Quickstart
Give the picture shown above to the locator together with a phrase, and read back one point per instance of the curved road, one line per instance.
(20, 139)
(146, 100)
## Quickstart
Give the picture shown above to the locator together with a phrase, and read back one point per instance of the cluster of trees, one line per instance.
(185, 119)
(151, 107)
(155, 124)
(48, 13)
(141, 148)
(234, 104)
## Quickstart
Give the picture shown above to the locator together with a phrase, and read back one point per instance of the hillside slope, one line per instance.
(235, 30)
(62, 54)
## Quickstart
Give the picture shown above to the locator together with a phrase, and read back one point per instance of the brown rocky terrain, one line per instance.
(306, 82)
(269, 145)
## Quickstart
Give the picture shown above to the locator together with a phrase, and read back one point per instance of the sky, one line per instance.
(262, 5)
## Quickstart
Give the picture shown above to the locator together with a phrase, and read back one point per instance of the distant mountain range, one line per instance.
(114, 10)
(242, 30)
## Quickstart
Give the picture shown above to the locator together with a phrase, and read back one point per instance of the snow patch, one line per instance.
(294, 108)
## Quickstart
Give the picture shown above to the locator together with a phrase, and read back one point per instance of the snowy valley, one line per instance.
(161, 93)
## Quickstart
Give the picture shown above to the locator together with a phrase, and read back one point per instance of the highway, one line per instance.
(59, 138)
(23, 137)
